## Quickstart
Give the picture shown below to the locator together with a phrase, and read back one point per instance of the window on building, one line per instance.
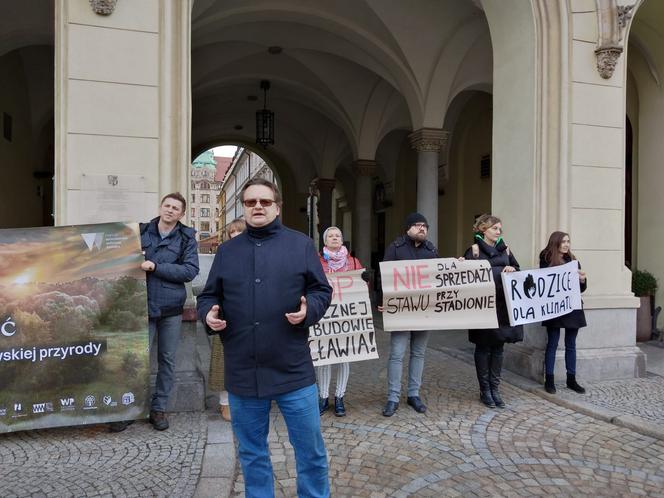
(205, 212)
(193, 198)
(205, 198)
(205, 226)
(193, 212)
(193, 225)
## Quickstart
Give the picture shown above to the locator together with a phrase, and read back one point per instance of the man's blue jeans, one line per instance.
(418, 346)
(167, 332)
(251, 418)
(570, 350)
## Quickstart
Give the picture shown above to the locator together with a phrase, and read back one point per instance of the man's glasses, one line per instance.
(252, 202)
(420, 225)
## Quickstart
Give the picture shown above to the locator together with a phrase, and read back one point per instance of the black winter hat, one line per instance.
(413, 218)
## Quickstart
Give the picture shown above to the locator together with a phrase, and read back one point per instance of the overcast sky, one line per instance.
(225, 151)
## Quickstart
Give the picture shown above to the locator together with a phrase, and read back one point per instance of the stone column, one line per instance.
(324, 187)
(428, 143)
(130, 112)
(364, 170)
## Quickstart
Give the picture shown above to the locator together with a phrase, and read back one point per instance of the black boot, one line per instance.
(339, 408)
(323, 405)
(495, 369)
(482, 368)
(549, 384)
(573, 384)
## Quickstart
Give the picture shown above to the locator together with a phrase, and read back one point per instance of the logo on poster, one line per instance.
(90, 402)
(108, 401)
(3, 412)
(67, 404)
(18, 407)
(128, 398)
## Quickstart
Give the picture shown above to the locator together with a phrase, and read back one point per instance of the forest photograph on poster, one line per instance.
(73, 326)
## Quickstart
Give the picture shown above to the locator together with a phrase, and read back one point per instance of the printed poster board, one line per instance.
(73, 326)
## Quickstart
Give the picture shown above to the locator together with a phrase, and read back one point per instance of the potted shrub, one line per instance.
(644, 286)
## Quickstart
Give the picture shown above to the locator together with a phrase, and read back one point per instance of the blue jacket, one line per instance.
(176, 260)
(256, 278)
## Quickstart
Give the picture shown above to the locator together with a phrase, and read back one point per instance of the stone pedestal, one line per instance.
(605, 349)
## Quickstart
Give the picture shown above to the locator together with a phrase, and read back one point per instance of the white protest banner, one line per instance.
(540, 294)
(438, 294)
(346, 332)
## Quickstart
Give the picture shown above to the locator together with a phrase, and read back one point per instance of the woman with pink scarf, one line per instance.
(335, 258)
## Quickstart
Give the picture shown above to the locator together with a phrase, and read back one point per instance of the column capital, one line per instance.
(429, 139)
(365, 167)
(326, 184)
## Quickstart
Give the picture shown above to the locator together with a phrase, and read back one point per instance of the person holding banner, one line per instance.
(234, 228)
(335, 258)
(171, 259)
(489, 245)
(265, 289)
(558, 252)
(410, 246)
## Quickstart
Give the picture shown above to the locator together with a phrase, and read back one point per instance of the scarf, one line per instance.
(336, 260)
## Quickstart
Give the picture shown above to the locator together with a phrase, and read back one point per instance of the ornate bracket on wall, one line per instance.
(613, 20)
(103, 7)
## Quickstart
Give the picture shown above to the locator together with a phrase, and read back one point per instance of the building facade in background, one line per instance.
(244, 166)
(548, 113)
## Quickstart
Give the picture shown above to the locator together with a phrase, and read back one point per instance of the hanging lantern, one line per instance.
(265, 120)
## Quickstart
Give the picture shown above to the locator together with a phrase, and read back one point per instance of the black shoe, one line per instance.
(549, 384)
(339, 408)
(487, 399)
(497, 398)
(119, 426)
(416, 403)
(573, 384)
(323, 405)
(390, 408)
(158, 420)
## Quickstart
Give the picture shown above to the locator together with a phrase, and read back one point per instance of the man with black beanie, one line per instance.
(412, 245)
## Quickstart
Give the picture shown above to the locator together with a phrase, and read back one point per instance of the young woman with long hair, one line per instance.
(558, 252)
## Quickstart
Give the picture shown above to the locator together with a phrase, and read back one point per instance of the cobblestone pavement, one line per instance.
(461, 448)
(89, 461)
(643, 397)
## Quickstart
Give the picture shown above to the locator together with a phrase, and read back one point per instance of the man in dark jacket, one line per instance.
(265, 288)
(171, 259)
(412, 245)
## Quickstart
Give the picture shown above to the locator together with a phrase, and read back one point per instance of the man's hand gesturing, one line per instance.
(299, 316)
(213, 321)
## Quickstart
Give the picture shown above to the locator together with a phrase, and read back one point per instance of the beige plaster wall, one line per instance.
(596, 174)
(114, 111)
(466, 194)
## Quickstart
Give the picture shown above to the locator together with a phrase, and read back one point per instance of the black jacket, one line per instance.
(499, 256)
(575, 319)
(403, 248)
(256, 278)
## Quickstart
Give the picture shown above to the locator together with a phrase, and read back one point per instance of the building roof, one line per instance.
(223, 163)
(205, 160)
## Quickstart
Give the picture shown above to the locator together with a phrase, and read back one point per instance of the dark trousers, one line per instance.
(489, 365)
(552, 345)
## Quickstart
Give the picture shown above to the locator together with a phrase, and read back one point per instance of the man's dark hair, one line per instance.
(178, 197)
(264, 183)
